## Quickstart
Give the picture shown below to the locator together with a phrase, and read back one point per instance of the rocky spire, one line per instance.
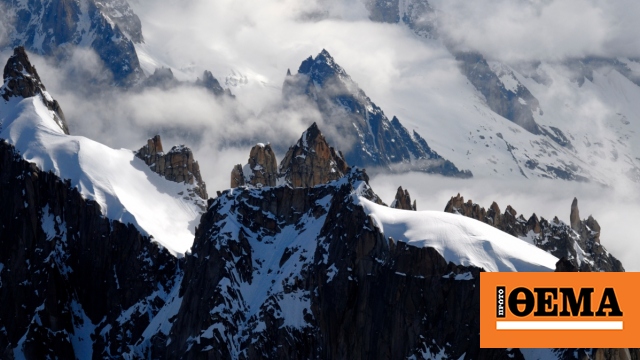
(261, 170)
(574, 218)
(21, 80)
(403, 200)
(177, 165)
(554, 236)
(312, 161)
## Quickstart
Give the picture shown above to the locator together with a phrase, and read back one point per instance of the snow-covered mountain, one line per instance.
(53, 28)
(568, 119)
(124, 187)
(370, 138)
(114, 253)
(274, 271)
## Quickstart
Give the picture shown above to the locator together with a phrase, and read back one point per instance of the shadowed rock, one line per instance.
(403, 200)
(261, 169)
(177, 165)
(311, 161)
(574, 218)
(21, 80)
(578, 242)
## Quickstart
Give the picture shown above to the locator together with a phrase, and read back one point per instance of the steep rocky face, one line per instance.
(73, 284)
(21, 80)
(177, 165)
(355, 119)
(517, 105)
(121, 13)
(311, 161)
(50, 27)
(261, 169)
(418, 15)
(403, 200)
(578, 242)
(212, 84)
(283, 272)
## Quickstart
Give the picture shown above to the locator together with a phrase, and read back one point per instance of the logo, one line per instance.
(559, 310)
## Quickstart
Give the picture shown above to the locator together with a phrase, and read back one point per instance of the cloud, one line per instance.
(527, 30)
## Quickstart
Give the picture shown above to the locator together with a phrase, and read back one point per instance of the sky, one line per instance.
(406, 75)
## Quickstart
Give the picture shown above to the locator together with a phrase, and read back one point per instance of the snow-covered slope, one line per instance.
(459, 239)
(124, 186)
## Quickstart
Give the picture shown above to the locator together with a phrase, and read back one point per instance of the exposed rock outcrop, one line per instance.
(261, 169)
(212, 84)
(574, 218)
(177, 165)
(418, 15)
(330, 277)
(403, 200)
(53, 28)
(374, 140)
(517, 105)
(121, 13)
(577, 242)
(311, 161)
(68, 275)
(22, 80)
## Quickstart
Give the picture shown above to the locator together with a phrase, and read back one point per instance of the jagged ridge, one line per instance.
(375, 141)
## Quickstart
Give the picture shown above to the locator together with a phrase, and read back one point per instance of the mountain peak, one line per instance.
(346, 108)
(322, 68)
(20, 76)
(21, 80)
(310, 135)
(312, 161)
(575, 215)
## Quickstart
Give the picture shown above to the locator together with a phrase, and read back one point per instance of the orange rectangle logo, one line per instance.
(559, 310)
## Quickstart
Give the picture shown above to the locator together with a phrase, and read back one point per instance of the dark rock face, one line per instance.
(577, 242)
(262, 168)
(50, 27)
(517, 106)
(311, 161)
(212, 84)
(403, 200)
(177, 165)
(21, 80)
(337, 289)
(355, 119)
(72, 283)
(121, 13)
(418, 15)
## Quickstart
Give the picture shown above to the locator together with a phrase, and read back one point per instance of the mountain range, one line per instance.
(118, 253)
